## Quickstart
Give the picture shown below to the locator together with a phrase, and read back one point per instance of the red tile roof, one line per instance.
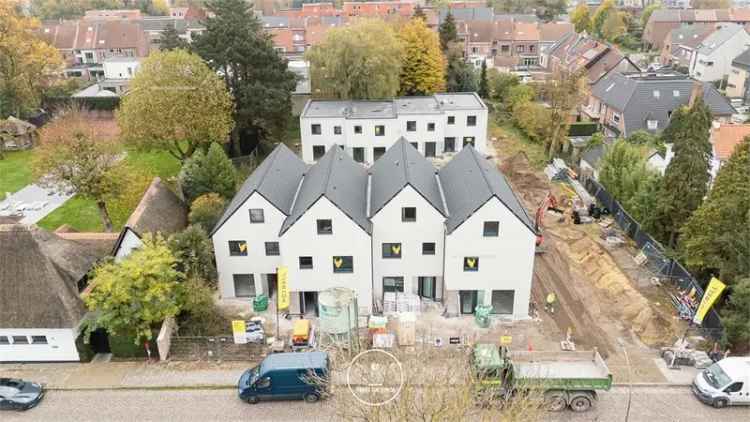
(726, 137)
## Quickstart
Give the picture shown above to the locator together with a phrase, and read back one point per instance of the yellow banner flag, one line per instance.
(282, 278)
(715, 287)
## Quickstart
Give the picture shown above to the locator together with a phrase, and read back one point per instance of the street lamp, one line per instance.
(630, 377)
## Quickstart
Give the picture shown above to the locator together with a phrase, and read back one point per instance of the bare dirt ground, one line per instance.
(604, 297)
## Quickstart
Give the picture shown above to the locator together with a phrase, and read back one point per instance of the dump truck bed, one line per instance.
(563, 370)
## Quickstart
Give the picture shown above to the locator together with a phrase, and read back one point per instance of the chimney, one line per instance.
(695, 93)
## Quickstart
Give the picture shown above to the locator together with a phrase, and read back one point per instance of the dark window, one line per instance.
(450, 145)
(237, 248)
(471, 120)
(4, 340)
(263, 383)
(305, 262)
(20, 340)
(393, 284)
(408, 214)
(337, 130)
(411, 126)
(429, 149)
(358, 129)
(379, 130)
(430, 127)
(391, 250)
(428, 248)
(471, 263)
(359, 154)
(415, 145)
(256, 215)
(272, 248)
(244, 285)
(343, 264)
(38, 339)
(315, 129)
(426, 287)
(468, 140)
(325, 227)
(451, 120)
(491, 228)
(318, 151)
(378, 152)
(737, 386)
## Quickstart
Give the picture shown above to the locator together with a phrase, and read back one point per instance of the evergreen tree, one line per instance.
(170, 39)
(736, 315)
(716, 238)
(483, 84)
(686, 178)
(459, 75)
(422, 68)
(212, 172)
(448, 31)
(235, 44)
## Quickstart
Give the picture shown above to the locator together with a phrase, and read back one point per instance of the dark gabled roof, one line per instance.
(593, 155)
(469, 181)
(719, 38)
(400, 166)
(341, 180)
(276, 179)
(633, 95)
(160, 210)
(39, 272)
(743, 60)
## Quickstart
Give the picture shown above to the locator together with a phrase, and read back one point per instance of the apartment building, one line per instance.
(437, 126)
(713, 58)
(458, 236)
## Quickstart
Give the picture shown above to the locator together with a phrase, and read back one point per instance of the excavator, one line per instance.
(548, 203)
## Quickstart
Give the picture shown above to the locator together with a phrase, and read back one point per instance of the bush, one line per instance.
(200, 316)
(206, 210)
(194, 252)
(736, 316)
(531, 118)
(583, 128)
(211, 172)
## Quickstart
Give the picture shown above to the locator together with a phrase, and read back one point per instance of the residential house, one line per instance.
(407, 211)
(438, 125)
(713, 60)
(664, 20)
(16, 134)
(191, 12)
(489, 239)
(552, 32)
(118, 72)
(724, 140)
(579, 52)
(737, 83)
(681, 44)
(115, 14)
(382, 9)
(625, 103)
(154, 27)
(455, 236)
(485, 14)
(41, 312)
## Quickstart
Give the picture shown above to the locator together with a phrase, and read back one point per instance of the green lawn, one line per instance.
(83, 215)
(15, 171)
(511, 141)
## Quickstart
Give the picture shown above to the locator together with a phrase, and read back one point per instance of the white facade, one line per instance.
(717, 64)
(388, 227)
(505, 262)
(427, 122)
(255, 262)
(38, 345)
(347, 239)
(120, 68)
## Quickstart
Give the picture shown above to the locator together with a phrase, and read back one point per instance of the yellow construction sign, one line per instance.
(338, 261)
(282, 277)
(506, 340)
(713, 291)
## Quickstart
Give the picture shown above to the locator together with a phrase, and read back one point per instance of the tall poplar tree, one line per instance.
(448, 31)
(422, 68)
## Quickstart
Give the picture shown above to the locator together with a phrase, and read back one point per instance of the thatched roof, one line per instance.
(160, 210)
(38, 276)
(16, 126)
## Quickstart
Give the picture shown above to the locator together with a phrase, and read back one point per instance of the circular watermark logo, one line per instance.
(375, 377)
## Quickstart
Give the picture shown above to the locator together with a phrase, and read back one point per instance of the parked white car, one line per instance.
(725, 383)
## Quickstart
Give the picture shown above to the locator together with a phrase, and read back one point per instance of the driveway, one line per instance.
(32, 203)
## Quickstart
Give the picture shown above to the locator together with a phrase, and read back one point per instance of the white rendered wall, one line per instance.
(60, 347)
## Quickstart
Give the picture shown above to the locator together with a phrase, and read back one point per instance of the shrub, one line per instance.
(211, 172)
(200, 316)
(194, 253)
(206, 210)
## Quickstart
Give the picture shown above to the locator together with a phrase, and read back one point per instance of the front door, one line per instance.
(271, 279)
(99, 341)
(429, 149)
(468, 300)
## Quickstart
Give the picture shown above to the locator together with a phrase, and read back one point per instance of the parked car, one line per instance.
(725, 383)
(16, 394)
(285, 376)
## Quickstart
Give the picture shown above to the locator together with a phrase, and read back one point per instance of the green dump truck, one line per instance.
(567, 379)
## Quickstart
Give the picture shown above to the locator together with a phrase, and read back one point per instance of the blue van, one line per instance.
(284, 376)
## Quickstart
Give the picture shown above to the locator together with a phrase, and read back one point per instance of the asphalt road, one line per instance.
(649, 405)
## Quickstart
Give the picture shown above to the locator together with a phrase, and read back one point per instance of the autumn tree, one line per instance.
(170, 39)
(422, 67)
(72, 157)
(131, 296)
(236, 46)
(177, 103)
(206, 210)
(581, 18)
(360, 61)
(562, 94)
(598, 21)
(26, 62)
(194, 252)
(210, 172)
(499, 84)
(448, 31)
(688, 173)
(647, 12)
(716, 237)
(711, 4)
(614, 26)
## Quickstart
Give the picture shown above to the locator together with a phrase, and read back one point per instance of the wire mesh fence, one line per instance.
(653, 255)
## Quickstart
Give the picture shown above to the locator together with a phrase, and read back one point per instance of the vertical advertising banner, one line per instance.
(713, 291)
(282, 276)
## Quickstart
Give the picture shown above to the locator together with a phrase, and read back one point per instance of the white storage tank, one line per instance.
(338, 321)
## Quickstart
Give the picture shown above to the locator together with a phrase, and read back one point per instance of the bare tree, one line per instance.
(562, 93)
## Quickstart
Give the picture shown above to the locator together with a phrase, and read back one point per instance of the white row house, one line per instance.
(436, 126)
(459, 236)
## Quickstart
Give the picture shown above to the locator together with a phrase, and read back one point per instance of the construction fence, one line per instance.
(656, 261)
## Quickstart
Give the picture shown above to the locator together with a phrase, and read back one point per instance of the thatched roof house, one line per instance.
(16, 134)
